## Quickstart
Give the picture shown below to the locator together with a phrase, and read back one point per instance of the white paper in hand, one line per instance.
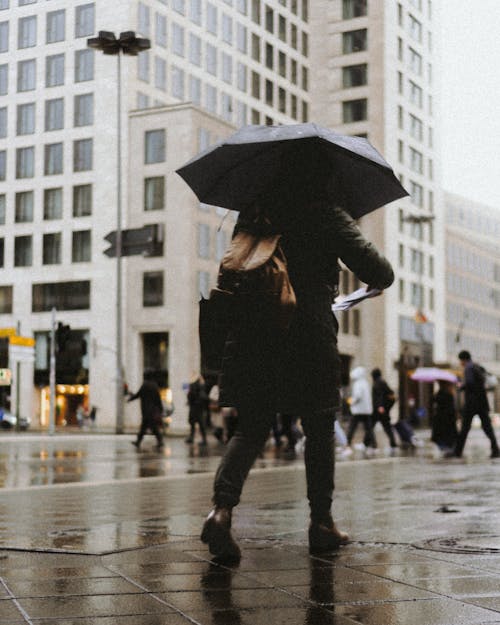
(354, 298)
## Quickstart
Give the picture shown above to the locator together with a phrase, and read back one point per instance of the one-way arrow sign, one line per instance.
(147, 241)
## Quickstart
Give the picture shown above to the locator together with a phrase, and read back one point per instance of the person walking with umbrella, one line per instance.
(297, 370)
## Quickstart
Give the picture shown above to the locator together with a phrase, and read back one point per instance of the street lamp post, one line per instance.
(127, 43)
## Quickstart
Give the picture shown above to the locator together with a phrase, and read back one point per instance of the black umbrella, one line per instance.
(253, 161)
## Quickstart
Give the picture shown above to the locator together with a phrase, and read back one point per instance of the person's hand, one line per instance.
(381, 410)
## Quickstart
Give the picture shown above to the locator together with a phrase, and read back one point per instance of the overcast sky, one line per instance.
(471, 99)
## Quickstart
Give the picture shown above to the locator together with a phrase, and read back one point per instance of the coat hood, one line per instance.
(358, 373)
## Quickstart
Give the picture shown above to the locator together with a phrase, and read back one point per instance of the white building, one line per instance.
(377, 77)
(238, 62)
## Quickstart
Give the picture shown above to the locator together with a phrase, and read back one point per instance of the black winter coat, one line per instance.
(299, 373)
(151, 405)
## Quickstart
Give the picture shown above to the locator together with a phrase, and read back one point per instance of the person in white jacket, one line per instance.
(361, 406)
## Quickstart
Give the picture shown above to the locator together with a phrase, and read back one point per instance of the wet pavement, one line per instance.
(92, 532)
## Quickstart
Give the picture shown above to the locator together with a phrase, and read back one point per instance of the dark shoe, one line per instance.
(189, 440)
(216, 533)
(325, 537)
(135, 444)
(495, 453)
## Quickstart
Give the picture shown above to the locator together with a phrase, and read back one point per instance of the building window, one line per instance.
(84, 109)
(52, 248)
(241, 38)
(2, 252)
(152, 288)
(54, 70)
(211, 18)
(25, 119)
(178, 82)
(82, 155)
(24, 207)
(354, 41)
(4, 79)
(160, 73)
(416, 94)
(417, 295)
(241, 77)
(415, 28)
(178, 39)
(195, 90)
(416, 128)
(355, 75)
(26, 32)
(401, 291)
(84, 65)
(82, 200)
(211, 98)
(353, 8)
(84, 20)
(26, 75)
(25, 162)
(23, 251)
(293, 36)
(203, 240)
(227, 29)
(195, 11)
(2, 209)
(3, 164)
(53, 159)
(256, 48)
(61, 295)
(154, 141)
(54, 114)
(154, 193)
(354, 110)
(143, 66)
(227, 68)
(52, 204)
(6, 300)
(55, 26)
(416, 161)
(417, 194)
(81, 246)
(415, 62)
(255, 85)
(161, 30)
(4, 36)
(195, 50)
(203, 283)
(211, 59)
(269, 93)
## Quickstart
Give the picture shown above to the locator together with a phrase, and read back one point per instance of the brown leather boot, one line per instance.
(216, 533)
(325, 537)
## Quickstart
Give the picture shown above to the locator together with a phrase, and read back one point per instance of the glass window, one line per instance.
(84, 20)
(227, 28)
(241, 38)
(293, 71)
(25, 162)
(82, 155)
(195, 90)
(143, 18)
(211, 98)
(203, 240)
(194, 49)
(61, 295)
(195, 11)
(161, 30)
(211, 59)
(81, 249)
(354, 8)
(53, 159)
(241, 5)
(2, 255)
(269, 19)
(255, 85)
(154, 193)
(3, 164)
(54, 114)
(3, 122)
(211, 18)
(269, 56)
(179, 6)
(21, 3)
(354, 110)
(52, 204)
(55, 26)
(142, 101)
(160, 73)
(4, 4)
(417, 194)
(416, 94)
(6, 300)
(282, 64)
(51, 252)
(84, 109)
(152, 288)
(255, 47)
(24, 207)
(415, 28)
(154, 146)
(416, 128)
(26, 32)
(4, 79)
(354, 41)
(227, 68)
(82, 200)
(355, 75)
(256, 11)
(4, 36)
(293, 36)
(54, 70)
(26, 75)
(242, 76)
(23, 251)
(178, 84)
(282, 27)
(269, 92)
(227, 107)
(415, 61)
(178, 39)
(143, 66)
(416, 161)
(84, 65)
(2, 209)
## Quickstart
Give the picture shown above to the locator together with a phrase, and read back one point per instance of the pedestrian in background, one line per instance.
(444, 417)
(197, 399)
(151, 410)
(383, 398)
(361, 407)
(475, 403)
(297, 370)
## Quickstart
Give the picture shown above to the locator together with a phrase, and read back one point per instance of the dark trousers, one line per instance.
(249, 439)
(150, 424)
(466, 424)
(385, 421)
(197, 417)
(366, 420)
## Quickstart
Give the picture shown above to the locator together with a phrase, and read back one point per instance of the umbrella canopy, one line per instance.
(253, 161)
(433, 374)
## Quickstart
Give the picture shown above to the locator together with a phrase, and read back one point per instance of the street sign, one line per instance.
(21, 349)
(5, 377)
(7, 332)
(147, 241)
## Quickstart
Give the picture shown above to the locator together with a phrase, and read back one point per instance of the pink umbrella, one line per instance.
(432, 374)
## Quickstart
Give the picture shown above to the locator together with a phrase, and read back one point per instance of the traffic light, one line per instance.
(62, 336)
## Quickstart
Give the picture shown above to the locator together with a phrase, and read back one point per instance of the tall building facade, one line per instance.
(376, 75)
(235, 62)
(473, 282)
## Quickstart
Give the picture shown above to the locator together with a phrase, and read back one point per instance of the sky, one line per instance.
(470, 99)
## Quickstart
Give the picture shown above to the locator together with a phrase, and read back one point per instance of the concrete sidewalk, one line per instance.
(425, 547)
